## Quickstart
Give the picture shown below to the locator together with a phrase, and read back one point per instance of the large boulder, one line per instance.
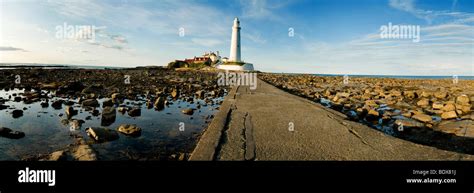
(17, 99)
(471, 116)
(108, 116)
(361, 112)
(122, 110)
(90, 103)
(84, 153)
(73, 86)
(107, 103)
(440, 94)
(422, 117)
(188, 111)
(102, 134)
(134, 112)
(93, 89)
(463, 108)
(395, 93)
(31, 97)
(462, 100)
(407, 123)
(343, 94)
(57, 104)
(423, 102)
(199, 94)
(409, 94)
(127, 129)
(160, 103)
(116, 97)
(464, 128)
(175, 93)
(149, 104)
(58, 156)
(17, 113)
(75, 124)
(70, 111)
(371, 103)
(437, 105)
(449, 115)
(2, 106)
(426, 93)
(8, 133)
(449, 107)
(372, 115)
(44, 104)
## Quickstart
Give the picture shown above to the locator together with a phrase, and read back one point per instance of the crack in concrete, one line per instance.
(352, 131)
(234, 96)
(249, 142)
(223, 139)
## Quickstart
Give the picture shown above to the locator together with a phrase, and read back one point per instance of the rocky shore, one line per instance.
(114, 84)
(104, 93)
(93, 104)
(436, 112)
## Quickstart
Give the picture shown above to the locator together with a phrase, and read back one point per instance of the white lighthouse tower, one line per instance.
(235, 63)
(235, 42)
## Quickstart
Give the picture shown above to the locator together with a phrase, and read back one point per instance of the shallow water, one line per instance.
(160, 136)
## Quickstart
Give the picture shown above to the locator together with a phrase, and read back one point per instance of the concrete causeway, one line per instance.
(270, 124)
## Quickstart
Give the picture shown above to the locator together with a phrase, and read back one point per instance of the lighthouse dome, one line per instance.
(236, 22)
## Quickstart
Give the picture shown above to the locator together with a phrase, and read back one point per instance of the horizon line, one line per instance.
(277, 72)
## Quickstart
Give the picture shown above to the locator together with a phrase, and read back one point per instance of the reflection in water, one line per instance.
(48, 129)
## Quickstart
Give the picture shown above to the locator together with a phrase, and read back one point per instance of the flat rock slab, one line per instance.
(131, 130)
(102, 134)
(464, 128)
(84, 153)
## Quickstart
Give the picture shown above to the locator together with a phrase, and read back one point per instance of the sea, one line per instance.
(53, 66)
(402, 76)
(69, 66)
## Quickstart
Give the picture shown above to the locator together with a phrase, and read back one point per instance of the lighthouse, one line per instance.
(235, 42)
(235, 63)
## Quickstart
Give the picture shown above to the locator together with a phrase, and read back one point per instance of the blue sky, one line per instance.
(331, 36)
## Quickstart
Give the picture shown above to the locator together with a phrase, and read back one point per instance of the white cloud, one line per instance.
(254, 37)
(163, 20)
(206, 42)
(453, 6)
(256, 9)
(101, 37)
(137, 35)
(430, 15)
(262, 9)
(9, 48)
(82, 9)
(204, 25)
(404, 5)
(445, 49)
